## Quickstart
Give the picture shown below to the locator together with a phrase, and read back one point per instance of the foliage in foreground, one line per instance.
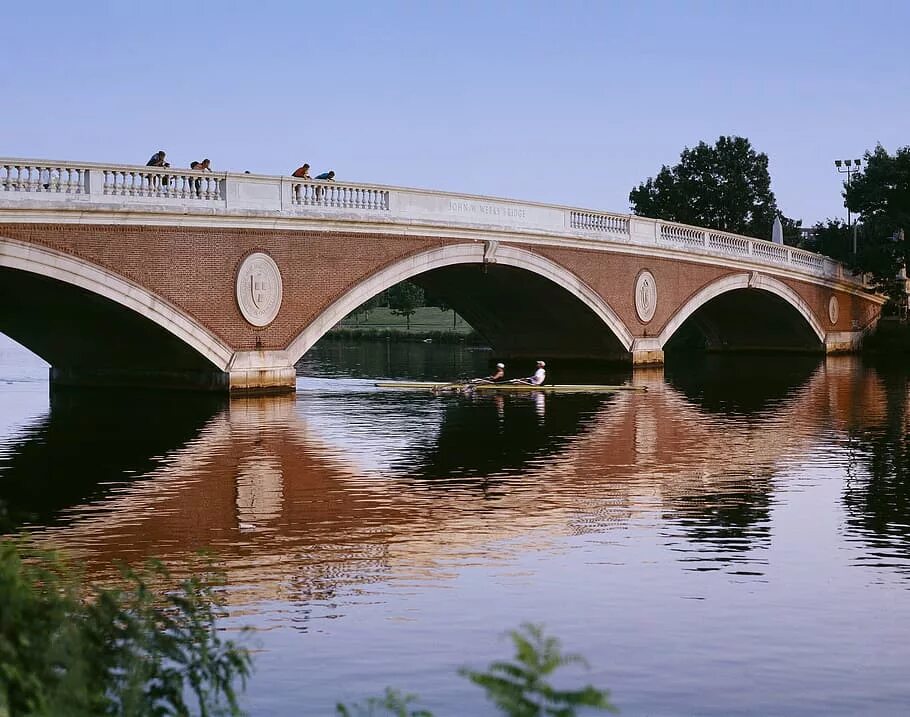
(68, 650)
(519, 688)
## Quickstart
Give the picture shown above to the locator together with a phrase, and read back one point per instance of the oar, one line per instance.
(451, 386)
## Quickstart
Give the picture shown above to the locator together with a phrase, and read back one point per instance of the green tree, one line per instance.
(404, 299)
(831, 238)
(725, 186)
(880, 195)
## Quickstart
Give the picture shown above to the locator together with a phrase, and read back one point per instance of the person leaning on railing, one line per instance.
(300, 173)
(326, 177)
(204, 166)
(159, 159)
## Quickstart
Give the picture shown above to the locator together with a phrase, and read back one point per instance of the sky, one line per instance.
(566, 102)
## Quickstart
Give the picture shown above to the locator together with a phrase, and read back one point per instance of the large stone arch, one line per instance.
(733, 282)
(473, 253)
(72, 270)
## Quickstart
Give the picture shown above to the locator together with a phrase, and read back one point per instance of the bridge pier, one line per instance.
(261, 372)
(249, 372)
(843, 342)
(647, 352)
(111, 377)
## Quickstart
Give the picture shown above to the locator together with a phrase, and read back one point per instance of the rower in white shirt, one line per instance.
(537, 379)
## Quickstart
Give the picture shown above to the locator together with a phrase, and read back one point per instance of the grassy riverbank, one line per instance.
(428, 322)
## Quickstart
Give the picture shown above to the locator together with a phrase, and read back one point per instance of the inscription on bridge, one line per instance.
(481, 209)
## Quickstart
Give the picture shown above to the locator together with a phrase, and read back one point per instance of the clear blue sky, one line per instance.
(567, 102)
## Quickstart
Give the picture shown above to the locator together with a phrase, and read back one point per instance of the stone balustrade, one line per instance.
(65, 186)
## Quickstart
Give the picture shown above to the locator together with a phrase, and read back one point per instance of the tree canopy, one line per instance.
(725, 186)
(880, 195)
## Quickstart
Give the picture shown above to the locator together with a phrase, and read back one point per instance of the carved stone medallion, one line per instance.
(645, 296)
(259, 289)
(833, 310)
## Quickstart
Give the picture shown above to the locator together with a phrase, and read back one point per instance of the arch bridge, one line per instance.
(124, 275)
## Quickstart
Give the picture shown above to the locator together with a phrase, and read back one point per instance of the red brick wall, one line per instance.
(194, 268)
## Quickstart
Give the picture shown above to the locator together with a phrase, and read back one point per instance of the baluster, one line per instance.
(209, 194)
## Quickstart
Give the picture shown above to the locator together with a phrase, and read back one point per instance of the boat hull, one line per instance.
(510, 387)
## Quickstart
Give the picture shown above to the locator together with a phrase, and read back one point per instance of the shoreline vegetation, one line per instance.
(891, 336)
(146, 647)
(429, 324)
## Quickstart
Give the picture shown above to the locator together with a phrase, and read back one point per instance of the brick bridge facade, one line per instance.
(116, 275)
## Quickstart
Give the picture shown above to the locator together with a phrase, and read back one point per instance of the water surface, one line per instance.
(734, 541)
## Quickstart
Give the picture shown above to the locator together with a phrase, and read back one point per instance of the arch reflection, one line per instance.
(332, 489)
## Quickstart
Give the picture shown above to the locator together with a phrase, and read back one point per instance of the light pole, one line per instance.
(849, 167)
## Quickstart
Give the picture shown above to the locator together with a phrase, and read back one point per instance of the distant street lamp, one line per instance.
(849, 167)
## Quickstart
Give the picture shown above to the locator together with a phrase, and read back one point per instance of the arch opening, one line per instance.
(89, 339)
(522, 314)
(522, 304)
(746, 320)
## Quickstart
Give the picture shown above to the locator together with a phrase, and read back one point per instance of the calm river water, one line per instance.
(734, 541)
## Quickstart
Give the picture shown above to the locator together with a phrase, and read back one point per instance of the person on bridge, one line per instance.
(204, 166)
(325, 176)
(540, 375)
(302, 172)
(158, 160)
(497, 376)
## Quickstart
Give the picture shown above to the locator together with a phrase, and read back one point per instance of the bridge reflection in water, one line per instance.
(344, 485)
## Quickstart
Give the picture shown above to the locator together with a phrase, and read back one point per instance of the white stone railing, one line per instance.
(161, 182)
(315, 193)
(54, 179)
(599, 222)
(67, 185)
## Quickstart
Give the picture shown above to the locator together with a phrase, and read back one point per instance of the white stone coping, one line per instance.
(87, 187)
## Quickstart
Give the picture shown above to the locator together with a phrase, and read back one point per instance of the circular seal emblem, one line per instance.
(833, 310)
(645, 296)
(259, 289)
